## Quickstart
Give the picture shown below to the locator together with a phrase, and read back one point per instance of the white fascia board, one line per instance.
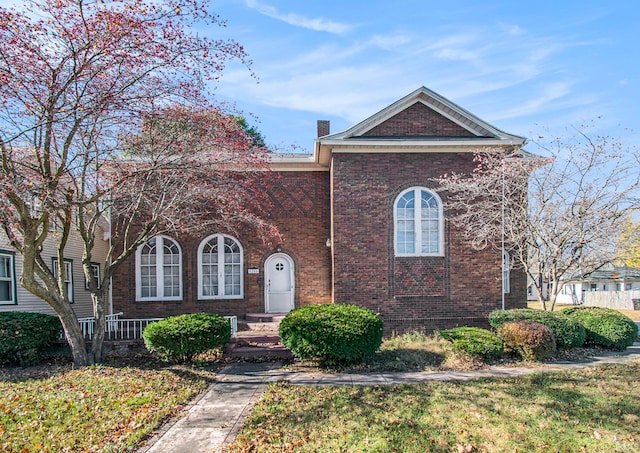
(289, 166)
(421, 145)
(439, 104)
(296, 162)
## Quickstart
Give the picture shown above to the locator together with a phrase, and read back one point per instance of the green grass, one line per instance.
(102, 409)
(590, 410)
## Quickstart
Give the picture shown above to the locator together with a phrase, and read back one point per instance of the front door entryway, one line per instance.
(279, 283)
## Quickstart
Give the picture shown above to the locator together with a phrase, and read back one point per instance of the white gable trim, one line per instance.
(448, 109)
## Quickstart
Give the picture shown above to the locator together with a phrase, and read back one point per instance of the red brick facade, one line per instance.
(459, 288)
(347, 194)
(301, 211)
(418, 121)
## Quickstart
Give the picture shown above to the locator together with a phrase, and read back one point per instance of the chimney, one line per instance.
(323, 128)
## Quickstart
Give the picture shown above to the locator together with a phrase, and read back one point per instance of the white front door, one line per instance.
(279, 283)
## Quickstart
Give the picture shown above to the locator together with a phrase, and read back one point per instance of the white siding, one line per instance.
(81, 296)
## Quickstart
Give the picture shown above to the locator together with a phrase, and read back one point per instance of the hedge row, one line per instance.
(535, 334)
(568, 332)
(24, 336)
(605, 327)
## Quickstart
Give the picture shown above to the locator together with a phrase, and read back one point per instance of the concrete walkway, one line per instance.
(215, 417)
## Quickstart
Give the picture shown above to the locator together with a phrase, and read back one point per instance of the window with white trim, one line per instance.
(67, 275)
(95, 274)
(506, 273)
(159, 270)
(220, 268)
(7, 279)
(418, 223)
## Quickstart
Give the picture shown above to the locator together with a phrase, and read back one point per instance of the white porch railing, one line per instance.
(131, 329)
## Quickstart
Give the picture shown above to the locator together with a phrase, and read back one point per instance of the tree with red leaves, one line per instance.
(106, 124)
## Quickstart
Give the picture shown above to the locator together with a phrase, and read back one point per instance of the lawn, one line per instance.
(106, 409)
(589, 410)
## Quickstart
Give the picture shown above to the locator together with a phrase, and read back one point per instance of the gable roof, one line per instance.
(422, 122)
(614, 273)
(440, 119)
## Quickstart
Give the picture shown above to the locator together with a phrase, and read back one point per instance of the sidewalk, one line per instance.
(215, 417)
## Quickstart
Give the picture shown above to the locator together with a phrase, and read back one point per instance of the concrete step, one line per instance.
(256, 337)
(250, 352)
(264, 317)
(255, 344)
(260, 326)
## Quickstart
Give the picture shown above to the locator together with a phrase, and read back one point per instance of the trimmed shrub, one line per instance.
(475, 341)
(605, 327)
(532, 340)
(569, 333)
(180, 338)
(335, 334)
(24, 336)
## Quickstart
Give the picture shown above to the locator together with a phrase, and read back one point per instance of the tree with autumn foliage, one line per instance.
(106, 124)
(628, 244)
(558, 212)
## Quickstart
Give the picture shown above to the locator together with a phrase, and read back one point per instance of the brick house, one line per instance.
(362, 221)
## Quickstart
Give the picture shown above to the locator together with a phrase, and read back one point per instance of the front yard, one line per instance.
(590, 410)
(103, 408)
(114, 408)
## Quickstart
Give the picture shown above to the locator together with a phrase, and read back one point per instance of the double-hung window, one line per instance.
(7, 279)
(67, 275)
(220, 268)
(419, 223)
(159, 270)
(95, 275)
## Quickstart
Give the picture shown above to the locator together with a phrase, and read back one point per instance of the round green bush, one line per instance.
(180, 338)
(532, 340)
(605, 327)
(569, 333)
(335, 334)
(24, 336)
(475, 341)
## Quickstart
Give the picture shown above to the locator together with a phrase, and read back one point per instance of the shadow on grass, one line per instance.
(593, 409)
(406, 359)
(57, 360)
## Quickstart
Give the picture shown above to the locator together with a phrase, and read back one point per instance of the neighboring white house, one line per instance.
(13, 297)
(611, 286)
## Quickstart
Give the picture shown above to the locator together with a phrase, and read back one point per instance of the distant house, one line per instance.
(611, 286)
(14, 297)
(362, 221)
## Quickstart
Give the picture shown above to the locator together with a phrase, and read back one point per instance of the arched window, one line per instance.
(419, 223)
(220, 268)
(159, 270)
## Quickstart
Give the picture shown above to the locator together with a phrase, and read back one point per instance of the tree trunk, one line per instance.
(75, 338)
(98, 333)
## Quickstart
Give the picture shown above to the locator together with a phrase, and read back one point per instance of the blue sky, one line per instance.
(521, 66)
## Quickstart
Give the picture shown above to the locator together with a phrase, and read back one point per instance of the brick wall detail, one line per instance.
(418, 120)
(427, 293)
(419, 276)
(299, 205)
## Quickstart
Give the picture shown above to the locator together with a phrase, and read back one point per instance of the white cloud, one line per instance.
(483, 69)
(298, 20)
(551, 93)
